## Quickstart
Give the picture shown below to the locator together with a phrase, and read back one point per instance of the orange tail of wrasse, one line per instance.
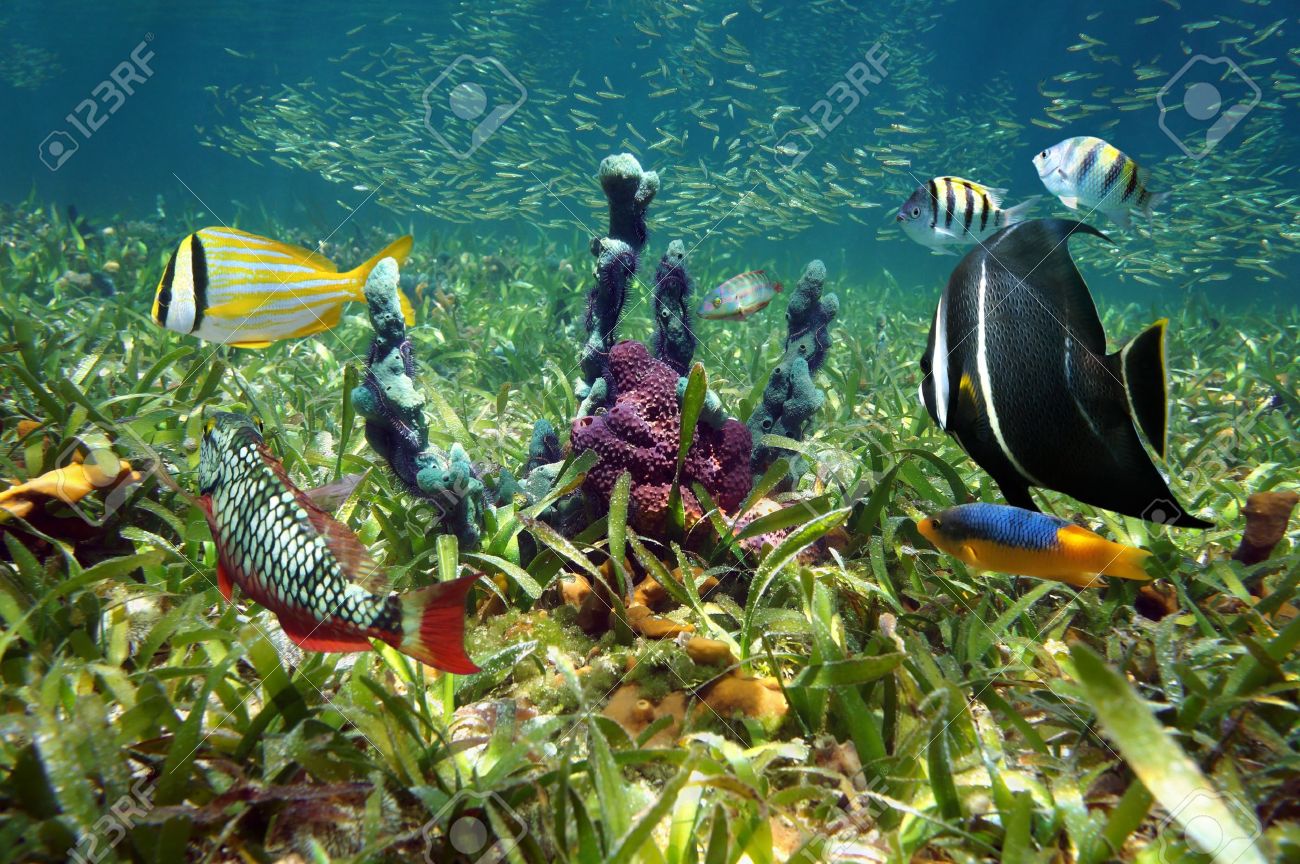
(1128, 564)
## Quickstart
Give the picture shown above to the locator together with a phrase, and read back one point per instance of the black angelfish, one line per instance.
(1016, 370)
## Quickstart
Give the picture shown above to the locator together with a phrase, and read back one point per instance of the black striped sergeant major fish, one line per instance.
(1016, 370)
(951, 211)
(295, 559)
(1086, 172)
(229, 286)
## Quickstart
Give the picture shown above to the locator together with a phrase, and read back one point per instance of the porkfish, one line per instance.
(228, 286)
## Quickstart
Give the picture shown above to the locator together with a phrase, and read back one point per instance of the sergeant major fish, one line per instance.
(1088, 172)
(949, 211)
(1016, 370)
(1025, 543)
(229, 286)
(739, 297)
(298, 561)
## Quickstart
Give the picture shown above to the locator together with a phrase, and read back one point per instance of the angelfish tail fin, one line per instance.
(399, 249)
(1142, 369)
(1128, 564)
(433, 625)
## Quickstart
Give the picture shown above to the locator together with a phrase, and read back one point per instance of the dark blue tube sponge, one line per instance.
(674, 341)
(393, 408)
(791, 398)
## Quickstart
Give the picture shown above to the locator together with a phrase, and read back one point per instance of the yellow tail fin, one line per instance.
(1128, 564)
(399, 249)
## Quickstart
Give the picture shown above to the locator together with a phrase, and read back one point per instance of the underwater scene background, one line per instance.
(706, 585)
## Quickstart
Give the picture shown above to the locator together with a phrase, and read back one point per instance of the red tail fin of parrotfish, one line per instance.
(433, 626)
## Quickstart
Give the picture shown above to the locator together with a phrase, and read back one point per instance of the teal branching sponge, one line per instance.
(393, 408)
(629, 190)
(790, 398)
(674, 340)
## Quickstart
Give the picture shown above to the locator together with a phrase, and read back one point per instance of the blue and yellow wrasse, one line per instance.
(1024, 543)
(229, 286)
(298, 561)
(739, 297)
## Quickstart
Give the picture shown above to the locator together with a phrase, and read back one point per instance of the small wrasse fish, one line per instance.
(1087, 172)
(1024, 543)
(739, 297)
(949, 211)
(295, 559)
(229, 286)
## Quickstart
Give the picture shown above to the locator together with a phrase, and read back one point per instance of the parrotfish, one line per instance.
(1025, 543)
(229, 286)
(304, 565)
(950, 211)
(1016, 370)
(739, 297)
(1086, 172)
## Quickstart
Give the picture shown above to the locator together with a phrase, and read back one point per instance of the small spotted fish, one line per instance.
(739, 297)
(1087, 172)
(1024, 543)
(303, 564)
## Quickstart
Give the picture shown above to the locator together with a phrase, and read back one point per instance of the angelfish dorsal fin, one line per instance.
(1036, 255)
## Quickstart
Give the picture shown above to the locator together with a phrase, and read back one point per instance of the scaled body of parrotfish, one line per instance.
(301, 563)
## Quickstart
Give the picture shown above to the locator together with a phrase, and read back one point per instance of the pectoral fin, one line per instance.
(223, 582)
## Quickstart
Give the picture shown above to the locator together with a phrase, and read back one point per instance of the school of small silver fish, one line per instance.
(724, 109)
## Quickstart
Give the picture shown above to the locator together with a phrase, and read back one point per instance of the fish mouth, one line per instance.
(899, 218)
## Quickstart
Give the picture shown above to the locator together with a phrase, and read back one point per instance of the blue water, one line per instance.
(148, 151)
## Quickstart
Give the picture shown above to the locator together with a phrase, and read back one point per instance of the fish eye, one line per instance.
(936, 523)
(257, 421)
(916, 211)
(1042, 155)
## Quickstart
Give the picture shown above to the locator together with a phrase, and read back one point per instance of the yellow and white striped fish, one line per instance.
(229, 286)
(1089, 172)
(952, 211)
